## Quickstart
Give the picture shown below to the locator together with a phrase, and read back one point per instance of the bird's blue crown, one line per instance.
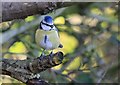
(48, 19)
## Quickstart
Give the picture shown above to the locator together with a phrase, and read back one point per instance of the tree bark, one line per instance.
(20, 10)
(26, 70)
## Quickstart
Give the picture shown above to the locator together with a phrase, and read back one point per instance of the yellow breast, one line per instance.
(52, 39)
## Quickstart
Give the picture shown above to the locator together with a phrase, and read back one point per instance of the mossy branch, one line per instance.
(25, 70)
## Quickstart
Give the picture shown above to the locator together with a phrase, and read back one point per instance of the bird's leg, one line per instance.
(42, 54)
(50, 56)
(51, 53)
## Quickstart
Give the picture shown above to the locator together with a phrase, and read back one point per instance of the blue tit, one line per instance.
(47, 36)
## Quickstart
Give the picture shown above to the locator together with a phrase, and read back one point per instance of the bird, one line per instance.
(47, 36)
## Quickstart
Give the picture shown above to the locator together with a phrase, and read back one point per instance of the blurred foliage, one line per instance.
(89, 34)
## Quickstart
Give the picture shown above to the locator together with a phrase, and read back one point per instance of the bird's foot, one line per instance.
(42, 56)
(51, 54)
(51, 57)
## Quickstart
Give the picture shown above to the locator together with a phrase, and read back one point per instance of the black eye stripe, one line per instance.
(47, 24)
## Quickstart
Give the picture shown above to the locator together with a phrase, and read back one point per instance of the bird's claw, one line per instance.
(41, 56)
(50, 57)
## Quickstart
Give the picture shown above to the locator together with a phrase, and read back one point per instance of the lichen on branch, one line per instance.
(24, 70)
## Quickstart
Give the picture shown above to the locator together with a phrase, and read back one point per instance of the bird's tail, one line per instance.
(60, 46)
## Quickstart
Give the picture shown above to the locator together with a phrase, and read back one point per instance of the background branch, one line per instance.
(16, 10)
(27, 26)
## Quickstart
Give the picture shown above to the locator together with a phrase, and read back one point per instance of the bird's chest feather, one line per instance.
(47, 39)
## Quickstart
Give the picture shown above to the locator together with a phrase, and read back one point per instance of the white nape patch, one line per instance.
(54, 28)
(47, 23)
(47, 45)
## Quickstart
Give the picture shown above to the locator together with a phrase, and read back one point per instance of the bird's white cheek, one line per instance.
(46, 27)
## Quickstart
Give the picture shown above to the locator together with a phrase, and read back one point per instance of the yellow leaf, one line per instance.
(75, 19)
(29, 18)
(69, 43)
(59, 20)
(18, 47)
(74, 64)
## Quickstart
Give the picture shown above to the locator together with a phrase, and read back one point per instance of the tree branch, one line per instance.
(16, 10)
(6, 36)
(25, 70)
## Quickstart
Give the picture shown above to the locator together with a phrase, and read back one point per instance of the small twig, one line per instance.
(99, 81)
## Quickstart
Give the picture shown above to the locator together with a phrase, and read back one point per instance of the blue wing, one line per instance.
(57, 31)
(60, 46)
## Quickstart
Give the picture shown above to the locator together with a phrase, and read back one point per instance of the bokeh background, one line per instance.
(89, 34)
